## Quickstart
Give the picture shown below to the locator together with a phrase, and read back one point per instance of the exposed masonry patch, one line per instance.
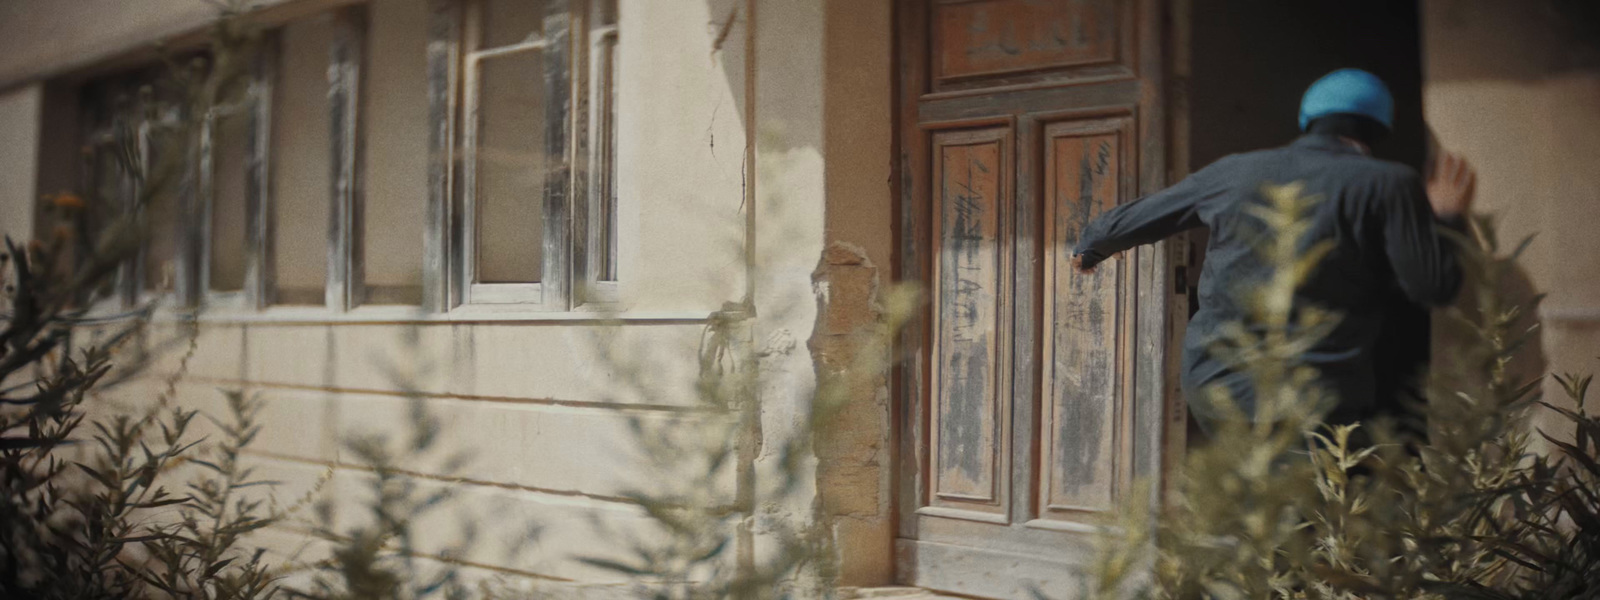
(779, 342)
(852, 434)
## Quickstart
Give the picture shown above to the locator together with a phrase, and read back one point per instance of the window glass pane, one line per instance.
(507, 22)
(230, 139)
(606, 109)
(510, 169)
(131, 119)
(396, 109)
(111, 189)
(161, 214)
(109, 183)
(301, 159)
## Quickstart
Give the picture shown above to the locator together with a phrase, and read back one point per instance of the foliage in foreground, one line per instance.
(1286, 507)
(378, 554)
(88, 508)
(1467, 512)
(716, 495)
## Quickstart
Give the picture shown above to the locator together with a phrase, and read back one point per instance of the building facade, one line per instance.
(528, 212)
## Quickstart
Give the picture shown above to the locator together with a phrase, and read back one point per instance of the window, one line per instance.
(302, 152)
(315, 185)
(267, 200)
(225, 183)
(233, 183)
(394, 112)
(514, 149)
(538, 202)
(131, 118)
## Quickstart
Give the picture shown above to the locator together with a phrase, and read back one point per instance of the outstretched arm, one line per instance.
(1146, 220)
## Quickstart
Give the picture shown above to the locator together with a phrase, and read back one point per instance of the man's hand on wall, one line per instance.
(1452, 185)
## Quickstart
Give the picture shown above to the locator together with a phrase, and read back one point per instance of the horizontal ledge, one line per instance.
(514, 48)
(1068, 526)
(410, 315)
(965, 515)
(1570, 314)
(312, 537)
(564, 496)
(588, 404)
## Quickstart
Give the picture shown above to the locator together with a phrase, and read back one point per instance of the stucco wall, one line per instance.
(1515, 88)
(19, 140)
(681, 134)
(43, 39)
(855, 449)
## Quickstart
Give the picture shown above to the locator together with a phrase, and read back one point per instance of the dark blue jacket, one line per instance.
(1386, 243)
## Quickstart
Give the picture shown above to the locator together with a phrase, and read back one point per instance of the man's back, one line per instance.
(1375, 212)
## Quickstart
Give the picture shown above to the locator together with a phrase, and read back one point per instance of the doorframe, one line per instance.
(1163, 49)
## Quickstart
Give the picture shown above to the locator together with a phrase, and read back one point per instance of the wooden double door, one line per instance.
(1038, 395)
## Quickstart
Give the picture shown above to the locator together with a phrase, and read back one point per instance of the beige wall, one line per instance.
(19, 140)
(855, 449)
(722, 134)
(859, 132)
(76, 33)
(681, 154)
(1513, 88)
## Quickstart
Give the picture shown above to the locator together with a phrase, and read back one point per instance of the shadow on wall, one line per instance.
(783, 46)
(727, 16)
(1522, 40)
(1516, 289)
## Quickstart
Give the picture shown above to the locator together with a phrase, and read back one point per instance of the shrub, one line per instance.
(86, 510)
(1286, 507)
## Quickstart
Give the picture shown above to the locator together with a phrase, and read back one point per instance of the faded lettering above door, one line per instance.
(1002, 37)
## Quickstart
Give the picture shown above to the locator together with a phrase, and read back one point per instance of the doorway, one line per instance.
(1251, 60)
(1036, 396)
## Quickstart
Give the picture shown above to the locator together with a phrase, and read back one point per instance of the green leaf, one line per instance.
(218, 566)
(209, 465)
(611, 565)
(105, 481)
(160, 503)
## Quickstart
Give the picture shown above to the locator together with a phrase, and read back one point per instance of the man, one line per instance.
(1377, 213)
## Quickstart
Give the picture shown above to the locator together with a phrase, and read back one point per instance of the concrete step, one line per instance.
(892, 593)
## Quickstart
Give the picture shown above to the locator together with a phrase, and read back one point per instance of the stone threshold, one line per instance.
(893, 593)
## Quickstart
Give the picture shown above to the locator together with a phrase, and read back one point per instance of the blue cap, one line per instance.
(1348, 91)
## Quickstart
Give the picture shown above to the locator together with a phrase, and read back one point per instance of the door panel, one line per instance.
(970, 427)
(1087, 325)
(1037, 393)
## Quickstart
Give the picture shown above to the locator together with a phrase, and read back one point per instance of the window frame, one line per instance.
(249, 107)
(125, 112)
(344, 286)
(549, 293)
(599, 250)
(569, 234)
(579, 185)
(343, 289)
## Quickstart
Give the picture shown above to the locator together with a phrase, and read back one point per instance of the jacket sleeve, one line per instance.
(1423, 258)
(1146, 220)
